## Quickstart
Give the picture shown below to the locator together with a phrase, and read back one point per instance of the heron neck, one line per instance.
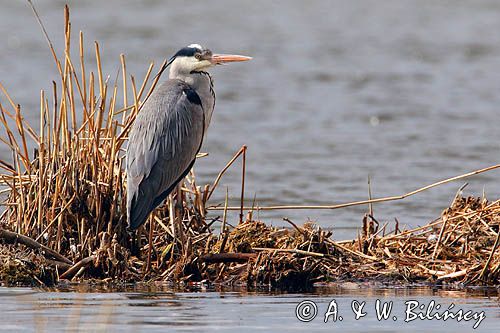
(194, 79)
(202, 83)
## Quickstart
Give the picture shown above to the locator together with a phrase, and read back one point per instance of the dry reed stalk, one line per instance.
(72, 188)
(243, 166)
(365, 202)
(221, 173)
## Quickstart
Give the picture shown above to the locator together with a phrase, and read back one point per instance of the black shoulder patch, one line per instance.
(192, 96)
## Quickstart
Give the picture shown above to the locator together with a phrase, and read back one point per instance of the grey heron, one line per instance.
(169, 130)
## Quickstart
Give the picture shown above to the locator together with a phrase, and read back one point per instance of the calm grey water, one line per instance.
(136, 310)
(404, 91)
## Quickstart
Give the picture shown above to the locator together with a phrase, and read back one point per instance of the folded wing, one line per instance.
(163, 143)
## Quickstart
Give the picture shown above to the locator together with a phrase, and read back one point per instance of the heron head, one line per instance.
(195, 58)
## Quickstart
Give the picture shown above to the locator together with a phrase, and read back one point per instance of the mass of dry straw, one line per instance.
(64, 209)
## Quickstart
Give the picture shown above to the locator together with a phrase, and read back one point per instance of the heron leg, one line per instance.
(175, 207)
(150, 245)
(179, 199)
(172, 215)
(135, 241)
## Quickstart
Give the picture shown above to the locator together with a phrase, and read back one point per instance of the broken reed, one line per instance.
(71, 188)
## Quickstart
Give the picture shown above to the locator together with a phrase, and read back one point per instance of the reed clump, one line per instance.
(460, 247)
(65, 204)
(68, 193)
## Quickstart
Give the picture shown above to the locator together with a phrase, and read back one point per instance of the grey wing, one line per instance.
(163, 143)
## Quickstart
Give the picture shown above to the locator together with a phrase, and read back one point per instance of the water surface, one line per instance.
(159, 310)
(403, 91)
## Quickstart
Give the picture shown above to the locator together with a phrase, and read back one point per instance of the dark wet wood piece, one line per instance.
(13, 237)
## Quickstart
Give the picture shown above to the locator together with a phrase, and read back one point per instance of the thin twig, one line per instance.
(242, 198)
(296, 251)
(364, 202)
(227, 257)
(493, 250)
(221, 173)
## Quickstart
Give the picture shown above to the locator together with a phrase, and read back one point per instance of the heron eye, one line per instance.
(197, 56)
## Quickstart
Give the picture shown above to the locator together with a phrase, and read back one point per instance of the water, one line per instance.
(403, 91)
(158, 310)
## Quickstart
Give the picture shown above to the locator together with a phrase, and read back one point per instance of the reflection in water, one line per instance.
(130, 309)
